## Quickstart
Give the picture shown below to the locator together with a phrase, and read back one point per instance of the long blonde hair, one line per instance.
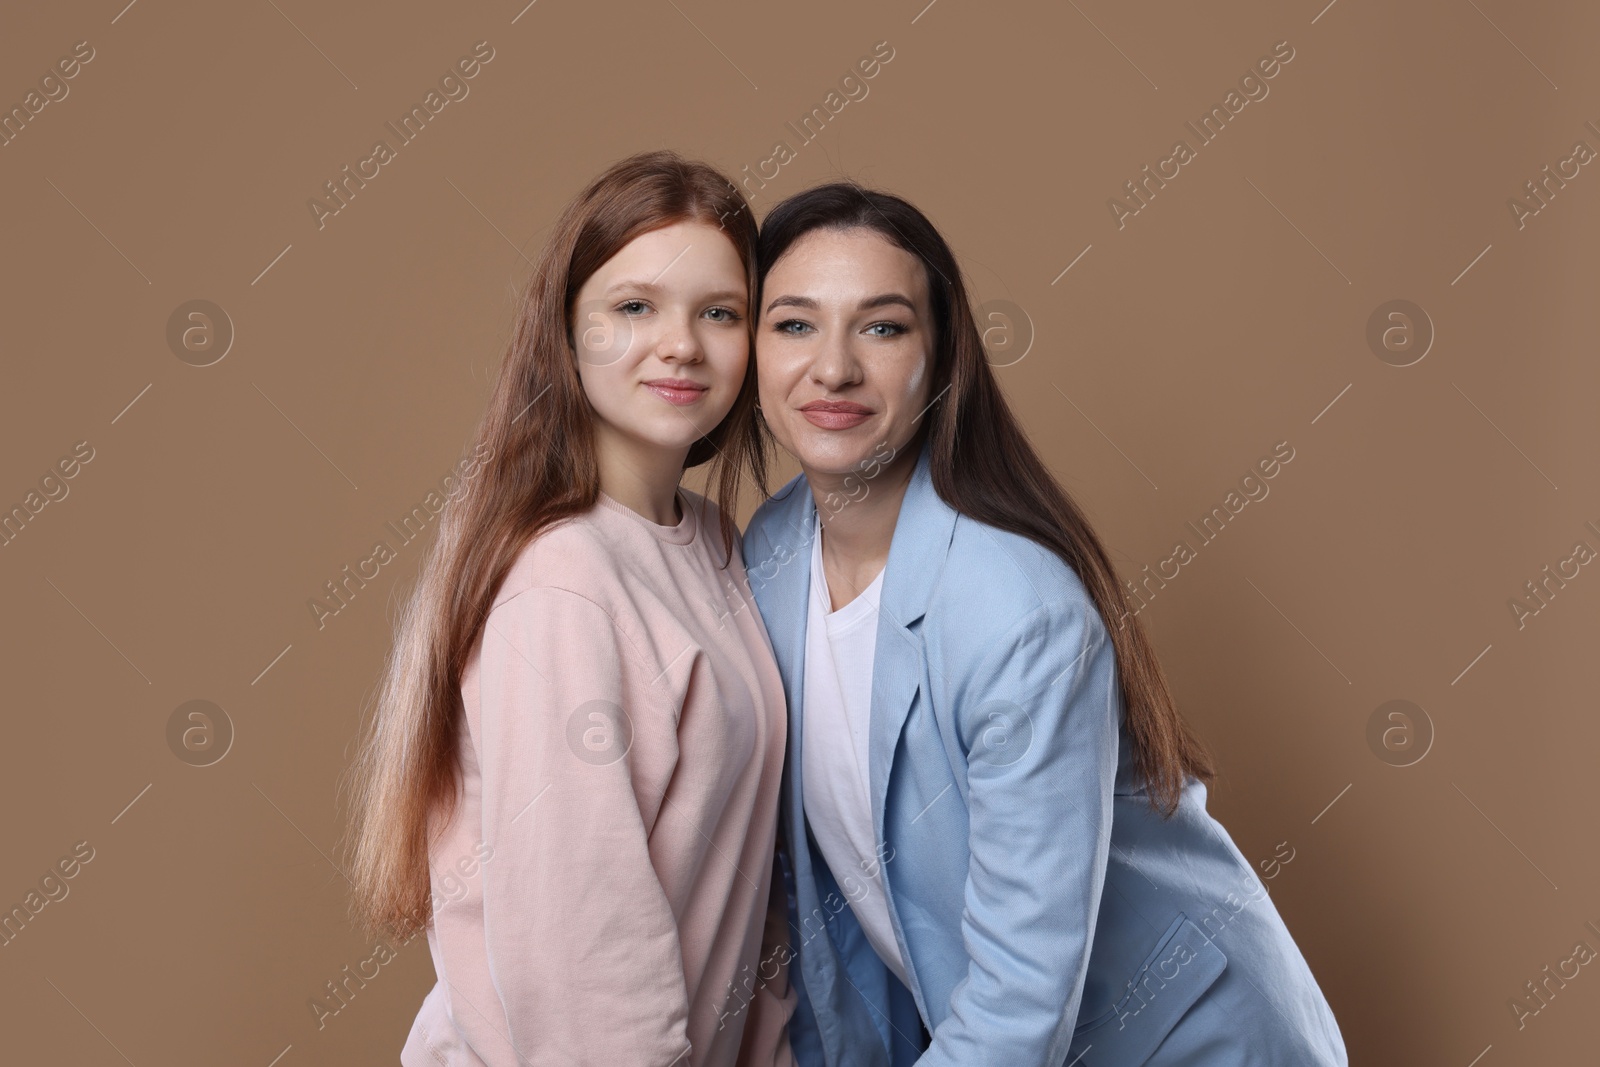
(536, 440)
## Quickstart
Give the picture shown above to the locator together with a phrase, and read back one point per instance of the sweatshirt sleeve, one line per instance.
(582, 941)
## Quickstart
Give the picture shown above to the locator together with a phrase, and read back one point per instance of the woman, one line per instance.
(999, 846)
(577, 750)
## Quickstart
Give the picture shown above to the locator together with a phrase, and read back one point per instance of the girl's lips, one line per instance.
(676, 391)
(835, 414)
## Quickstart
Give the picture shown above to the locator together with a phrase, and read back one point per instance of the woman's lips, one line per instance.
(835, 414)
(679, 391)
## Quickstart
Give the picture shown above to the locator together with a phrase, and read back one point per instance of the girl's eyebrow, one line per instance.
(637, 284)
(651, 288)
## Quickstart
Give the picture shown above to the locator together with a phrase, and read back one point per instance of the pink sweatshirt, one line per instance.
(608, 872)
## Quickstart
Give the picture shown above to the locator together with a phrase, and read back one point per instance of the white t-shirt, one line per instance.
(840, 646)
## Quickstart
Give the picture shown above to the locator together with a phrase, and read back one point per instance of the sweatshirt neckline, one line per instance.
(681, 534)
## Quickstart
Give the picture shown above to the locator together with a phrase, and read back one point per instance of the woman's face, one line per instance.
(662, 339)
(843, 349)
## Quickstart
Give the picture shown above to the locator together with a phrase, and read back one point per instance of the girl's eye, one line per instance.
(894, 329)
(632, 307)
(723, 314)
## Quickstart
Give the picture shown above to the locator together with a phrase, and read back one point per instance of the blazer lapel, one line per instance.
(896, 677)
(784, 579)
(916, 562)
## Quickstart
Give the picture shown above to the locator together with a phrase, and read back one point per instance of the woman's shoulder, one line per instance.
(994, 579)
(780, 527)
(1010, 616)
(783, 506)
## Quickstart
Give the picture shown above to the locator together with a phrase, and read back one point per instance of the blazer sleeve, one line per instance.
(582, 941)
(805, 1038)
(1040, 719)
(765, 1042)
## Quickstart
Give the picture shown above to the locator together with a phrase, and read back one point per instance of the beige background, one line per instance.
(1230, 314)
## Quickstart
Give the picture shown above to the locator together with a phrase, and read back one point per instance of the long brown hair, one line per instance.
(536, 439)
(984, 467)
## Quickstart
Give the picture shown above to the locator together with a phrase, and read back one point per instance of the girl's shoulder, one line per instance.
(607, 556)
(575, 553)
(708, 514)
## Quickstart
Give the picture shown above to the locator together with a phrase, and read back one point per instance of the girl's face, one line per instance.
(662, 340)
(843, 350)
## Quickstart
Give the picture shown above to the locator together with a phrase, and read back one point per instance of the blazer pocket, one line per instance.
(1175, 974)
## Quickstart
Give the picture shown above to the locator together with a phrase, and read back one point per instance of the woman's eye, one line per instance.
(886, 329)
(790, 326)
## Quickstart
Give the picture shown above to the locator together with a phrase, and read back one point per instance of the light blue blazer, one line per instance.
(1045, 914)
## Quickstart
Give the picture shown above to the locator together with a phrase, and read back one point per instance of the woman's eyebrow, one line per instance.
(886, 299)
(793, 301)
(869, 303)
